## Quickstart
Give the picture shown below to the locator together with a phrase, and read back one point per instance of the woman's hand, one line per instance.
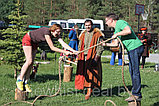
(68, 53)
(76, 52)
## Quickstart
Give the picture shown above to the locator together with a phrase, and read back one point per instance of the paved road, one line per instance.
(153, 58)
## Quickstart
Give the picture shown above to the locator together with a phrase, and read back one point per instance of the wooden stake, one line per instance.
(67, 73)
(21, 95)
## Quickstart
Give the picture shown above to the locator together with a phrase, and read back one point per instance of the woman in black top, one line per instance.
(30, 43)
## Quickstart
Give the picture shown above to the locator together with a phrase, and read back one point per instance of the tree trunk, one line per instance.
(51, 10)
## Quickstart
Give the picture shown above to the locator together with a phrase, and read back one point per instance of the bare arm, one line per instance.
(66, 46)
(114, 43)
(53, 48)
(124, 32)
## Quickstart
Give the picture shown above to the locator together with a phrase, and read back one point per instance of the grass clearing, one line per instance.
(47, 82)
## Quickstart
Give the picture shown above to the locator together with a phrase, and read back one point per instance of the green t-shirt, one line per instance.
(130, 41)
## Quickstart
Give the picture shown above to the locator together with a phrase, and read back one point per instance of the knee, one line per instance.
(29, 62)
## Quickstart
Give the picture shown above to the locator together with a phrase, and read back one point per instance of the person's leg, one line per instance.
(27, 75)
(130, 67)
(135, 56)
(112, 61)
(120, 59)
(134, 62)
(143, 61)
(28, 62)
(89, 91)
(28, 55)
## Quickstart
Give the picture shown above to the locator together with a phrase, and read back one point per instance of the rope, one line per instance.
(96, 45)
(109, 101)
(75, 64)
(42, 95)
(123, 71)
(59, 85)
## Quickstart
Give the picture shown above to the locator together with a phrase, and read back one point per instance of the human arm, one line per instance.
(114, 43)
(149, 39)
(124, 32)
(100, 48)
(99, 51)
(95, 60)
(66, 46)
(53, 48)
(70, 34)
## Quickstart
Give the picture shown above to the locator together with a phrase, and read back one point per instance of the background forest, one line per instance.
(41, 11)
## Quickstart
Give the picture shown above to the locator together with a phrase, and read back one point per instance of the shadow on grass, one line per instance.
(149, 66)
(156, 104)
(45, 77)
(115, 91)
(105, 61)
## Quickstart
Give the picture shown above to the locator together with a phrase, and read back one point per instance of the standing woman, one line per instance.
(30, 43)
(73, 36)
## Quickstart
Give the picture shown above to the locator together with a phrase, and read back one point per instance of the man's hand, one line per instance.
(115, 36)
(104, 44)
(94, 63)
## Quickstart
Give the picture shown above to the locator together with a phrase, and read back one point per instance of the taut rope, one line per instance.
(76, 64)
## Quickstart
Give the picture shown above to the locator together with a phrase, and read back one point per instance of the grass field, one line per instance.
(112, 86)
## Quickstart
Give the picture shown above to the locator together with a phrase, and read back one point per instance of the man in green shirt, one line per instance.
(134, 47)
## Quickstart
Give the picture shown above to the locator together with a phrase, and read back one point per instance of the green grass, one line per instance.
(112, 86)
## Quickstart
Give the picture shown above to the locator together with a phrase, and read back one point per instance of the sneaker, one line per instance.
(27, 88)
(20, 85)
(131, 98)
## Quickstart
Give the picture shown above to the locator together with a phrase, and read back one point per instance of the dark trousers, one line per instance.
(112, 61)
(134, 62)
(143, 60)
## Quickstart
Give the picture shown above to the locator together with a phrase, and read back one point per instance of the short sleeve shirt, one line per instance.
(38, 35)
(130, 41)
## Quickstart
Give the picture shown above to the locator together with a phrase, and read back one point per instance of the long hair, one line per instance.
(54, 27)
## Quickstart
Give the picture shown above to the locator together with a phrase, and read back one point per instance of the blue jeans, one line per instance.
(134, 62)
(112, 61)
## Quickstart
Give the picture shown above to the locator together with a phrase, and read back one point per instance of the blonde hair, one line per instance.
(54, 27)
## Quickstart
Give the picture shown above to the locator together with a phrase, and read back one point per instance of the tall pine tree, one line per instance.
(11, 47)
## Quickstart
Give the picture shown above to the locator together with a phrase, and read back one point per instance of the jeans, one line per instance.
(134, 62)
(112, 61)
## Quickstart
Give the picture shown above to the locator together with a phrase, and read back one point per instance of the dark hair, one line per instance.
(87, 20)
(113, 16)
